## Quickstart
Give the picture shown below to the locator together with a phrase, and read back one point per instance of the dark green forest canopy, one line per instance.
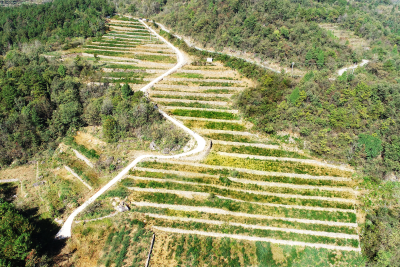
(54, 20)
(286, 31)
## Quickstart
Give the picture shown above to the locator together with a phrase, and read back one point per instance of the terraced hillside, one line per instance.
(245, 200)
(129, 53)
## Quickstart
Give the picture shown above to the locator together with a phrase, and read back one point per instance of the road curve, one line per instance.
(363, 62)
(65, 231)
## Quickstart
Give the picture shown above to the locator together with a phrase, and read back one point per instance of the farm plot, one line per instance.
(247, 197)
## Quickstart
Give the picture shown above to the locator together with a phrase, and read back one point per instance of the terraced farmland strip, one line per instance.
(201, 84)
(267, 201)
(128, 26)
(217, 210)
(134, 33)
(205, 114)
(255, 239)
(262, 150)
(232, 111)
(148, 172)
(194, 124)
(229, 136)
(252, 226)
(195, 88)
(189, 97)
(274, 166)
(166, 101)
(245, 194)
(124, 55)
(181, 118)
(300, 160)
(246, 173)
(172, 93)
(256, 232)
(230, 183)
(203, 80)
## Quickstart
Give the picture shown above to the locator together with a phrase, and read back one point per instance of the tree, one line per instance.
(126, 91)
(62, 70)
(110, 129)
(15, 236)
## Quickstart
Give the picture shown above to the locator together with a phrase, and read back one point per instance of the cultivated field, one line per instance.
(244, 201)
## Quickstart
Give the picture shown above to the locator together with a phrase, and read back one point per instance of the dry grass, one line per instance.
(89, 141)
(24, 172)
(161, 251)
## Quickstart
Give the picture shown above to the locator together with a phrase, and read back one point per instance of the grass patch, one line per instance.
(230, 137)
(89, 153)
(258, 151)
(188, 75)
(274, 166)
(205, 114)
(219, 91)
(214, 125)
(137, 33)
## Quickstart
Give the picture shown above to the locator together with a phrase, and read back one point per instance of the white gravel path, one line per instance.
(77, 176)
(363, 62)
(237, 214)
(65, 231)
(9, 181)
(82, 157)
(254, 239)
(253, 226)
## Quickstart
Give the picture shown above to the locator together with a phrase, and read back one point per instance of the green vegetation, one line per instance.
(90, 153)
(65, 19)
(246, 207)
(188, 75)
(192, 105)
(227, 182)
(237, 174)
(205, 114)
(211, 98)
(273, 166)
(214, 125)
(127, 54)
(280, 235)
(258, 151)
(248, 197)
(135, 26)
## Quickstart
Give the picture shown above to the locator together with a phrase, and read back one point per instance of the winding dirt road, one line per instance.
(65, 231)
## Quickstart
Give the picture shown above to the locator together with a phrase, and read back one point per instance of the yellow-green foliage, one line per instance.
(274, 166)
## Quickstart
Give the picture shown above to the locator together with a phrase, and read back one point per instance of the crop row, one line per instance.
(124, 35)
(203, 83)
(225, 181)
(214, 125)
(274, 166)
(138, 33)
(154, 58)
(124, 80)
(106, 48)
(247, 220)
(205, 114)
(249, 208)
(229, 229)
(192, 105)
(230, 137)
(258, 151)
(127, 74)
(127, 26)
(201, 98)
(112, 45)
(242, 196)
(243, 175)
